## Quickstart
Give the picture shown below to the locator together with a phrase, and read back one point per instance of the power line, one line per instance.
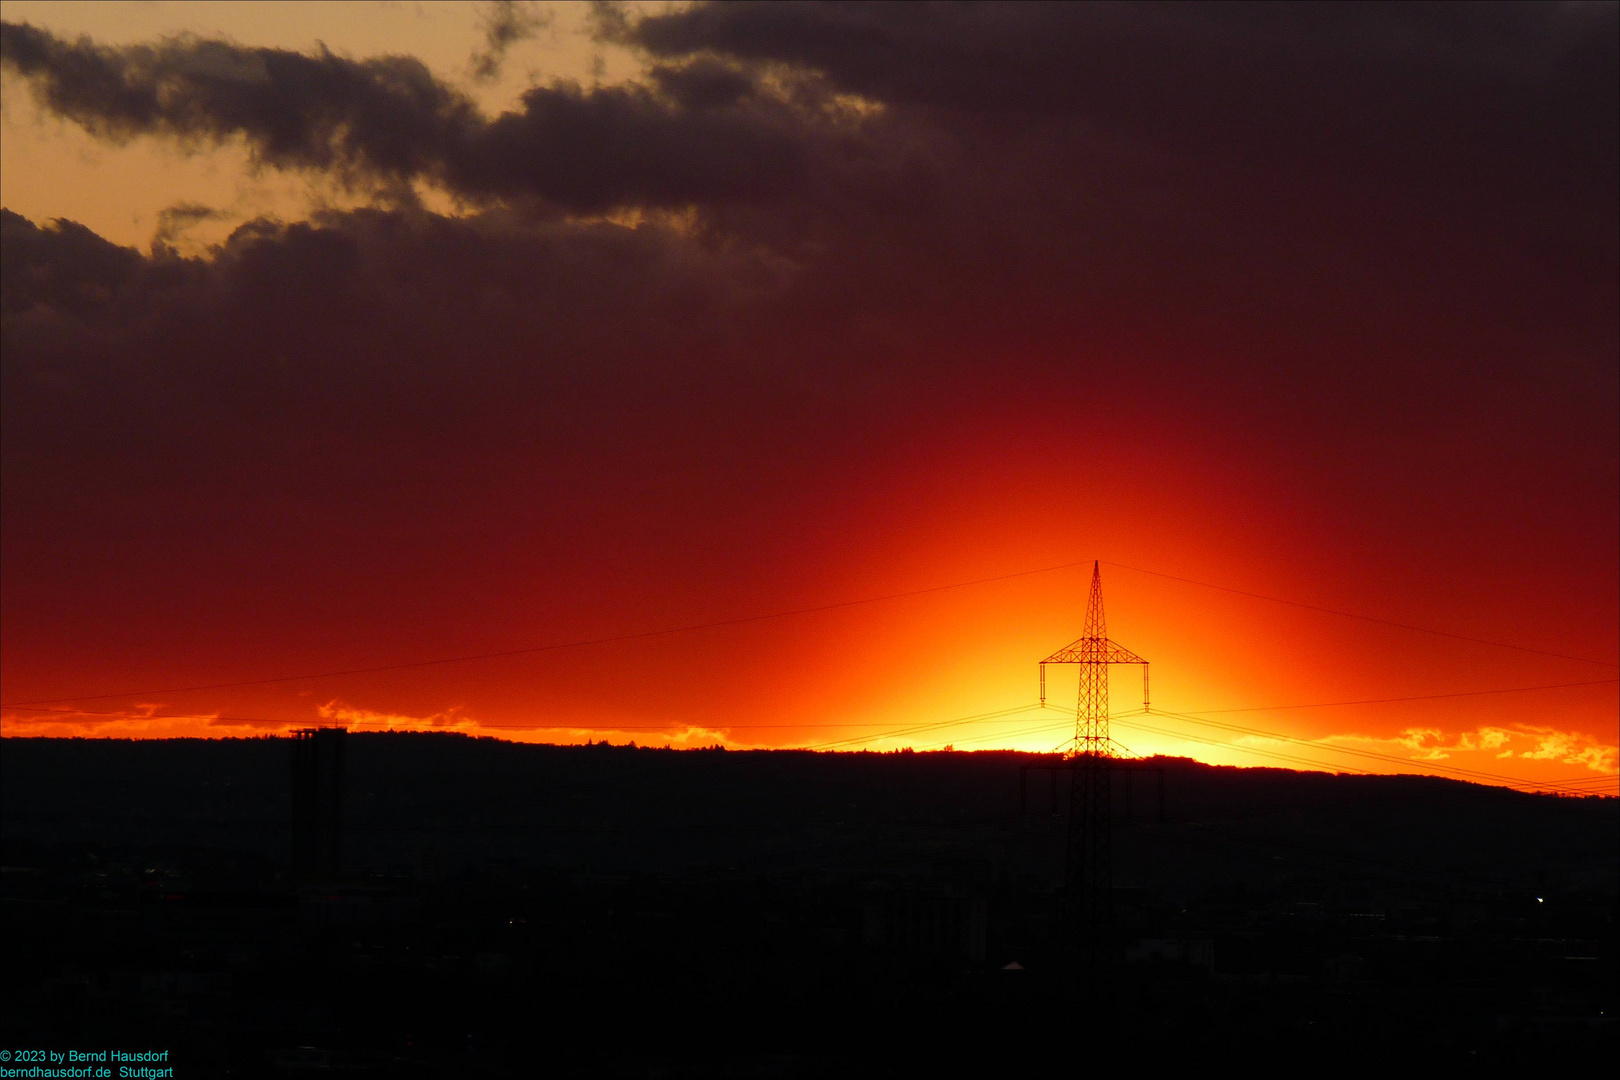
(913, 729)
(1047, 727)
(1571, 786)
(1293, 759)
(1574, 786)
(1012, 714)
(1362, 618)
(744, 620)
(1466, 773)
(1412, 697)
(1128, 719)
(762, 727)
(1519, 786)
(984, 718)
(610, 640)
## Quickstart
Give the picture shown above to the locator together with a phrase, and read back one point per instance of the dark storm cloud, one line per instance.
(1125, 58)
(386, 116)
(1380, 111)
(1324, 170)
(370, 321)
(1228, 70)
(1173, 135)
(1268, 157)
(1296, 191)
(66, 267)
(703, 84)
(387, 121)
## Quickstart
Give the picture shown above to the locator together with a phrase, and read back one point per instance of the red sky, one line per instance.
(792, 308)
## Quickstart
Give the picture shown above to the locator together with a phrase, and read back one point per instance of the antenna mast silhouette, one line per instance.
(1089, 861)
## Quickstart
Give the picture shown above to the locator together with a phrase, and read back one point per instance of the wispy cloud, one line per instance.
(505, 23)
(450, 719)
(1571, 749)
(1520, 741)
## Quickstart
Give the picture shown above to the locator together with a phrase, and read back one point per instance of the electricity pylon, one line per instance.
(1089, 862)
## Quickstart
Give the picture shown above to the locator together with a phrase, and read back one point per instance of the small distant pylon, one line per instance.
(1089, 861)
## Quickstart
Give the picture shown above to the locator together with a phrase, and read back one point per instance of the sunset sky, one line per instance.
(356, 336)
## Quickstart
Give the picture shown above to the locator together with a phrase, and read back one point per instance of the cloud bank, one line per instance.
(687, 321)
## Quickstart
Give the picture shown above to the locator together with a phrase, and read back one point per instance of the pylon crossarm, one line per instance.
(1094, 651)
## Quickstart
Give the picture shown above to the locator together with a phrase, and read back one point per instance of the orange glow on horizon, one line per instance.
(897, 674)
(1138, 427)
(884, 675)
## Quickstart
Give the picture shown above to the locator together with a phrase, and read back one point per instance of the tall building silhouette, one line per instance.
(317, 803)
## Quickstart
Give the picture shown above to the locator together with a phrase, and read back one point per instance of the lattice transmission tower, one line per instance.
(1089, 861)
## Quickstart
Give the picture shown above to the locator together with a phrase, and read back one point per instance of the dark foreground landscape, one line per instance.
(508, 910)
